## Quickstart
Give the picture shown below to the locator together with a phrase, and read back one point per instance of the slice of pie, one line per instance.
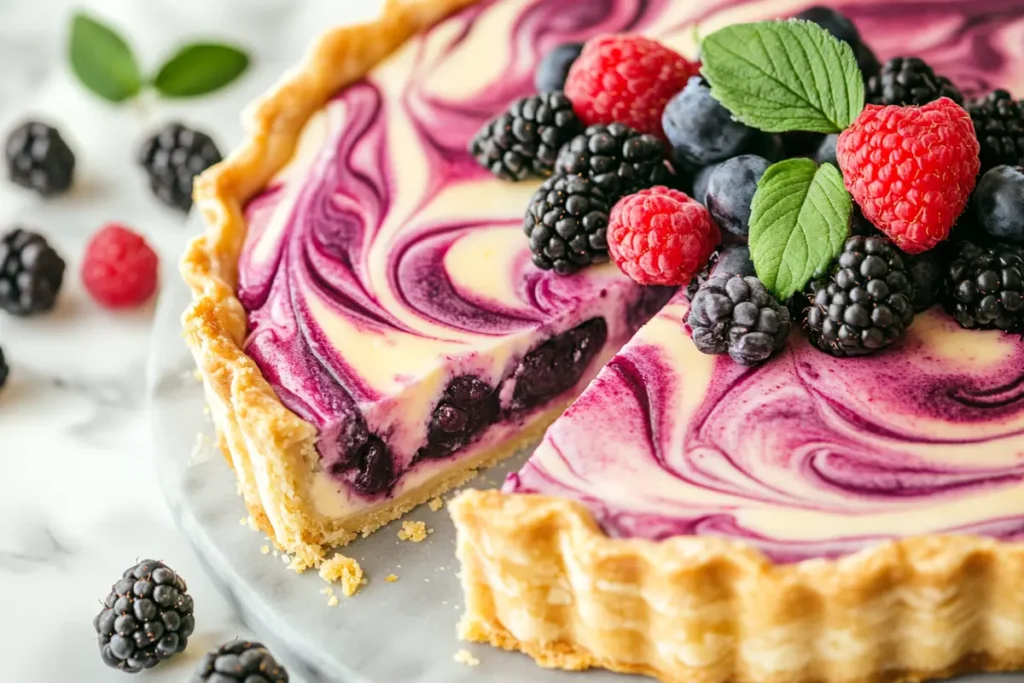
(814, 518)
(366, 317)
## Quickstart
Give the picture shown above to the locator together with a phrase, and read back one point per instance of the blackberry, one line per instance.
(909, 81)
(38, 158)
(172, 158)
(525, 140)
(737, 315)
(5, 370)
(999, 122)
(31, 273)
(617, 158)
(984, 287)
(926, 273)
(240, 661)
(731, 260)
(865, 303)
(467, 406)
(557, 364)
(567, 223)
(146, 619)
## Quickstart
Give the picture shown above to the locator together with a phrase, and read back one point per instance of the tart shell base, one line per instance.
(541, 577)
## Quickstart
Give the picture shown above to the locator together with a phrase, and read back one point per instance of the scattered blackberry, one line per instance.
(731, 260)
(467, 406)
(567, 223)
(525, 139)
(557, 364)
(146, 619)
(985, 287)
(554, 68)
(617, 158)
(700, 129)
(909, 80)
(31, 273)
(240, 661)
(865, 304)
(736, 315)
(998, 203)
(173, 157)
(5, 370)
(38, 158)
(999, 122)
(926, 272)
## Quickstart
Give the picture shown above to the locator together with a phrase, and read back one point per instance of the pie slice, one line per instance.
(814, 518)
(366, 316)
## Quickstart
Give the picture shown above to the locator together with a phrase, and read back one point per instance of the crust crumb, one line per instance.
(466, 657)
(391, 578)
(413, 531)
(435, 504)
(265, 550)
(344, 570)
(332, 601)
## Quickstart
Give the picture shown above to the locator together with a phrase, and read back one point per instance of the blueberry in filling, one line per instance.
(467, 406)
(367, 462)
(558, 364)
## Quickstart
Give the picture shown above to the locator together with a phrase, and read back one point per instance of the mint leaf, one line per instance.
(200, 68)
(799, 220)
(787, 75)
(102, 60)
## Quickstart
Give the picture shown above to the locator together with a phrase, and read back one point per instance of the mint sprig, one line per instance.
(784, 75)
(104, 63)
(800, 219)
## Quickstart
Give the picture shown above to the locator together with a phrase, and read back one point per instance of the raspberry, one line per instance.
(626, 79)
(660, 236)
(911, 169)
(119, 269)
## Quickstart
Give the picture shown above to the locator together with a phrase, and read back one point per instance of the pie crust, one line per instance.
(271, 449)
(540, 576)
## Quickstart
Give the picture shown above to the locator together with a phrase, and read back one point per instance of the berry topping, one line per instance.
(467, 406)
(840, 26)
(999, 122)
(999, 203)
(826, 152)
(985, 287)
(661, 237)
(173, 157)
(554, 68)
(240, 661)
(525, 140)
(5, 370)
(700, 182)
(617, 158)
(567, 223)
(626, 79)
(119, 269)
(38, 158)
(558, 364)
(146, 619)
(908, 80)
(731, 190)
(700, 129)
(911, 169)
(736, 315)
(864, 304)
(926, 272)
(373, 467)
(31, 273)
(731, 260)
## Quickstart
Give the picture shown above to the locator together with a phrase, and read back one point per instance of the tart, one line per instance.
(366, 317)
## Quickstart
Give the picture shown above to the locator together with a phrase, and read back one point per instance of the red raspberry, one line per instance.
(660, 236)
(626, 79)
(911, 169)
(120, 269)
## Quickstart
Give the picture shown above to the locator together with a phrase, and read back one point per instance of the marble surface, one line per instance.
(79, 495)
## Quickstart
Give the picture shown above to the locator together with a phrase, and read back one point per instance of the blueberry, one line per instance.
(700, 182)
(801, 143)
(826, 153)
(700, 129)
(731, 189)
(767, 145)
(999, 203)
(467, 406)
(834, 22)
(734, 260)
(557, 364)
(554, 68)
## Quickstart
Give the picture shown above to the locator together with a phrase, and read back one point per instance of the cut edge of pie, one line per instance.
(271, 449)
(541, 577)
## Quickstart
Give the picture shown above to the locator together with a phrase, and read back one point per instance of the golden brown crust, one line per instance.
(540, 576)
(270, 448)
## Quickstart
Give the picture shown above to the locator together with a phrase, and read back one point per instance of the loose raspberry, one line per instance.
(626, 79)
(120, 269)
(911, 169)
(660, 236)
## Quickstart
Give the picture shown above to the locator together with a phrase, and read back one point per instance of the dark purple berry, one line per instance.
(554, 68)
(240, 661)
(31, 273)
(38, 159)
(700, 129)
(172, 158)
(557, 364)
(999, 203)
(731, 191)
(467, 406)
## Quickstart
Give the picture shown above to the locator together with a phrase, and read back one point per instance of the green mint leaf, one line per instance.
(200, 68)
(786, 75)
(102, 60)
(799, 221)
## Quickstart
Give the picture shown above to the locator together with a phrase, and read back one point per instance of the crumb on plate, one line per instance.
(412, 531)
(466, 657)
(344, 570)
(435, 504)
(391, 578)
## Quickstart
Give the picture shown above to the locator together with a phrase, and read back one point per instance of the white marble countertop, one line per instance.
(79, 500)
